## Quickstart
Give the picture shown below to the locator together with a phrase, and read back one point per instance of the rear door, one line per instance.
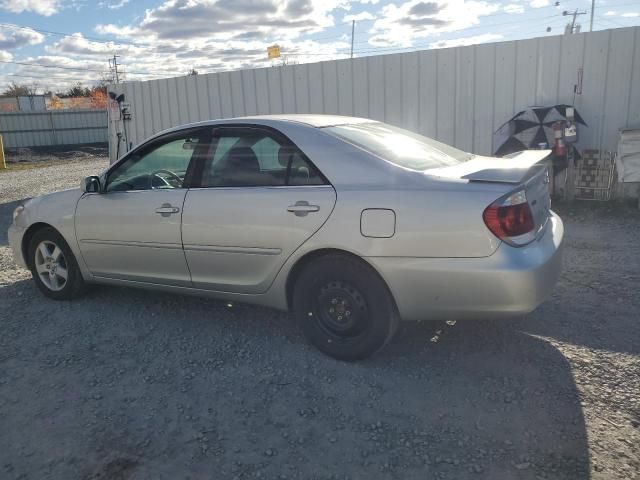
(259, 198)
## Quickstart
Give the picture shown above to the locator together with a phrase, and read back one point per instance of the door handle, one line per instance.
(302, 208)
(167, 209)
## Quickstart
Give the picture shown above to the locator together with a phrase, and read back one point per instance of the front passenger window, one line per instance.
(164, 166)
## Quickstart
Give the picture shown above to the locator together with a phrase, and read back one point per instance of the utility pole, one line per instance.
(113, 63)
(574, 14)
(353, 28)
(593, 6)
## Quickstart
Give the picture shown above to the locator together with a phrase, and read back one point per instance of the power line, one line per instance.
(476, 27)
(293, 53)
(76, 69)
(139, 44)
(574, 28)
(113, 63)
(611, 21)
(63, 34)
(47, 77)
(523, 20)
(115, 43)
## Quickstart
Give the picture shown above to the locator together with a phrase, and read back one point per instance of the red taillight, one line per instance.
(510, 218)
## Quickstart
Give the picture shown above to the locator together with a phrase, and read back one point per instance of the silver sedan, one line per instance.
(351, 224)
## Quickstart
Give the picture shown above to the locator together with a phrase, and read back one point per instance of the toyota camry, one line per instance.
(351, 224)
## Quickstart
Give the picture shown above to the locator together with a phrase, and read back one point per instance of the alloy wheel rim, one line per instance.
(51, 265)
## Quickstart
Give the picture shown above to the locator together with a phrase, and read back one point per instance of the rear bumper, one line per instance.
(15, 235)
(511, 282)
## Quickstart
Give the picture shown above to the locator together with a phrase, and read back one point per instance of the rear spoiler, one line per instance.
(514, 168)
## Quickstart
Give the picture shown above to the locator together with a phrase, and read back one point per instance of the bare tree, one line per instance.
(19, 90)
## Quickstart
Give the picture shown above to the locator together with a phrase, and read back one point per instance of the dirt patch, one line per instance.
(35, 155)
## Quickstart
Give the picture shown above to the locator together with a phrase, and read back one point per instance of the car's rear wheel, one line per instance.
(53, 265)
(344, 308)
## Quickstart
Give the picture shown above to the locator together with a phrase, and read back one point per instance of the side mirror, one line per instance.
(90, 184)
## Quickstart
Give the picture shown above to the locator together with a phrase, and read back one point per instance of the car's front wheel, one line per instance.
(344, 308)
(53, 265)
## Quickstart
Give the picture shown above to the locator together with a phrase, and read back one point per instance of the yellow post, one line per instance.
(2, 162)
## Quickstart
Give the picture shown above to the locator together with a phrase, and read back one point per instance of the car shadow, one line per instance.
(498, 385)
(471, 400)
(595, 303)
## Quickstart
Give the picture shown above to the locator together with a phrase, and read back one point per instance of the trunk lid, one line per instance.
(523, 171)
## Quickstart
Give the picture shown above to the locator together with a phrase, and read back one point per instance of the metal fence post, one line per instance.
(3, 164)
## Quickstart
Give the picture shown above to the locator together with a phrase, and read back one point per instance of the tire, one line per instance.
(344, 308)
(49, 257)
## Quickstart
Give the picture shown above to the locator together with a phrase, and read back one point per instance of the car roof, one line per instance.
(314, 120)
(309, 120)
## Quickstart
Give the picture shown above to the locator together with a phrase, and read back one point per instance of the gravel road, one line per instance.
(129, 384)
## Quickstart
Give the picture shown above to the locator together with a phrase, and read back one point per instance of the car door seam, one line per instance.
(335, 202)
(184, 253)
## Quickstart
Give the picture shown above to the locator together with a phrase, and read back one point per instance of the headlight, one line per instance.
(16, 213)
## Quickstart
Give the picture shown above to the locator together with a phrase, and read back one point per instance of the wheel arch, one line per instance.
(28, 235)
(314, 255)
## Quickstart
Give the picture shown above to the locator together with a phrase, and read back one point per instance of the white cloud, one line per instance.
(171, 58)
(358, 17)
(631, 15)
(513, 8)
(83, 70)
(5, 56)
(402, 24)
(16, 37)
(116, 6)
(610, 13)
(76, 44)
(539, 3)
(238, 19)
(459, 42)
(41, 7)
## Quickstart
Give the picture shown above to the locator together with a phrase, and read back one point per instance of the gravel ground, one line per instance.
(129, 384)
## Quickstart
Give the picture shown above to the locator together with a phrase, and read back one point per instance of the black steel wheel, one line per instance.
(341, 310)
(344, 308)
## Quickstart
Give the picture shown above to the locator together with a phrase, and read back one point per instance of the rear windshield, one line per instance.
(401, 147)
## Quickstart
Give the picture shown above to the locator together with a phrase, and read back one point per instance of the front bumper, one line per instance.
(512, 281)
(15, 235)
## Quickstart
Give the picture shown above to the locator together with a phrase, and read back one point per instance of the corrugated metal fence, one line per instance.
(55, 127)
(458, 95)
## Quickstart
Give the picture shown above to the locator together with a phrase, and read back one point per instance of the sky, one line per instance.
(52, 44)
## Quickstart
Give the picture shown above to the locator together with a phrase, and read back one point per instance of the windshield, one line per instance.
(398, 146)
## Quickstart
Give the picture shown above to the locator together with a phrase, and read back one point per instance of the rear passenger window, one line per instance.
(252, 158)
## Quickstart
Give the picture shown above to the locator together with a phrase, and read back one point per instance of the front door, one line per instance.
(131, 230)
(259, 199)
